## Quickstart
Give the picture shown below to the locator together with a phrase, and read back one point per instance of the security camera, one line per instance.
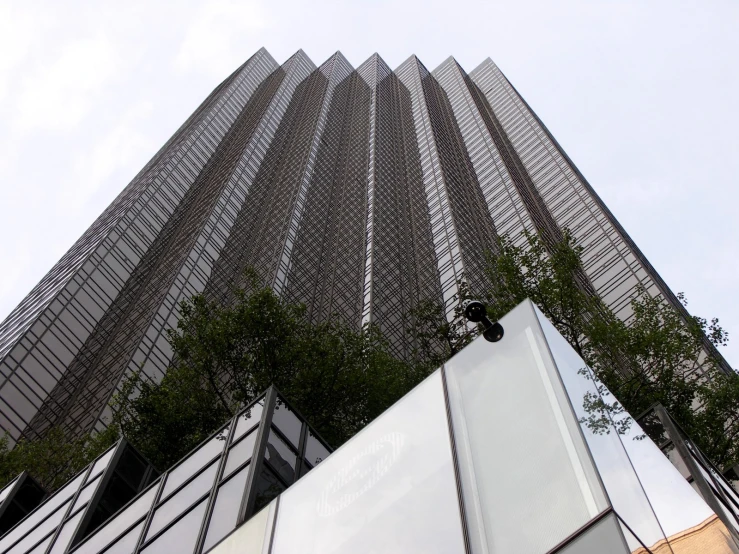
(476, 312)
(493, 333)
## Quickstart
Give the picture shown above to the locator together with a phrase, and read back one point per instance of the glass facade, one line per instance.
(489, 454)
(359, 192)
(119, 504)
(79, 507)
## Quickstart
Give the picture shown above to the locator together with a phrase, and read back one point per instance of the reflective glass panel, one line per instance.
(604, 537)
(101, 464)
(674, 456)
(240, 452)
(48, 525)
(250, 537)
(65, 535)
(127, 544)
(181, 536)
(6, 491)
(391, 488)
(315, 452)
(226, 509)
(119, 523)
(281, 457)
(41, 548)
(522, 456)
(41, 512)
(248, 419)
(268, 486)
(287, 422)
(656, 485)
(183, 499)
(86, 493)
(197, 459)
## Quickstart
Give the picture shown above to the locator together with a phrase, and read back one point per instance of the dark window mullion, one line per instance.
(214, 488)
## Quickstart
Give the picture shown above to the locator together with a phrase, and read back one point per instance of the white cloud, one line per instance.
(58, 95)
(19, 27)
(118, 149)
(209, 41)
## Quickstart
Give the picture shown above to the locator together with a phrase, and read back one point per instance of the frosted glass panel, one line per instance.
(65, 535)
(624, 489)
(6, 491)
(389, 489)
(86, 493)
(101, 463)
(603, 537)
(47, 526)
(527, 477)
(119, 523)
(181, 537)
(127, 544)
(226, 509)
(183, 499)
(251, 537)
(44, 510)
(195, 461)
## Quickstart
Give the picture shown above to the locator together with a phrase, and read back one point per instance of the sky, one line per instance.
(642, 95)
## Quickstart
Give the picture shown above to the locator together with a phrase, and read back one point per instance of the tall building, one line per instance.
(359, 192)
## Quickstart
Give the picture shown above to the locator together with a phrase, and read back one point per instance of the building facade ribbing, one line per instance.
(359, 192)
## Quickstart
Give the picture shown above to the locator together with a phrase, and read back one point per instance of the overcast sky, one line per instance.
(641, 94)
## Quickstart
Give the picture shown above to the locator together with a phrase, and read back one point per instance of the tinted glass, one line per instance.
(389, 489)
(281, 457)
(248, 419)
(315, 452)
(45, 509)
(287, 422)
(240, 452)
(268, 486)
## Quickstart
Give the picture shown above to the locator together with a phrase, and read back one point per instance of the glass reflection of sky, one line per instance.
(641, 482)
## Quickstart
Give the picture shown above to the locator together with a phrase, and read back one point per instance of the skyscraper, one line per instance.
(359, 192)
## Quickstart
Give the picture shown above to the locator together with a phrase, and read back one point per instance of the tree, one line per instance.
(54, 458)
(225, 356)
(658, 357)
(434, 336)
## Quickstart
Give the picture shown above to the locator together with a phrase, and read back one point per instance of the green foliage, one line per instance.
(53, 459)
(339, 378)
(435, 338)
(658, 357)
